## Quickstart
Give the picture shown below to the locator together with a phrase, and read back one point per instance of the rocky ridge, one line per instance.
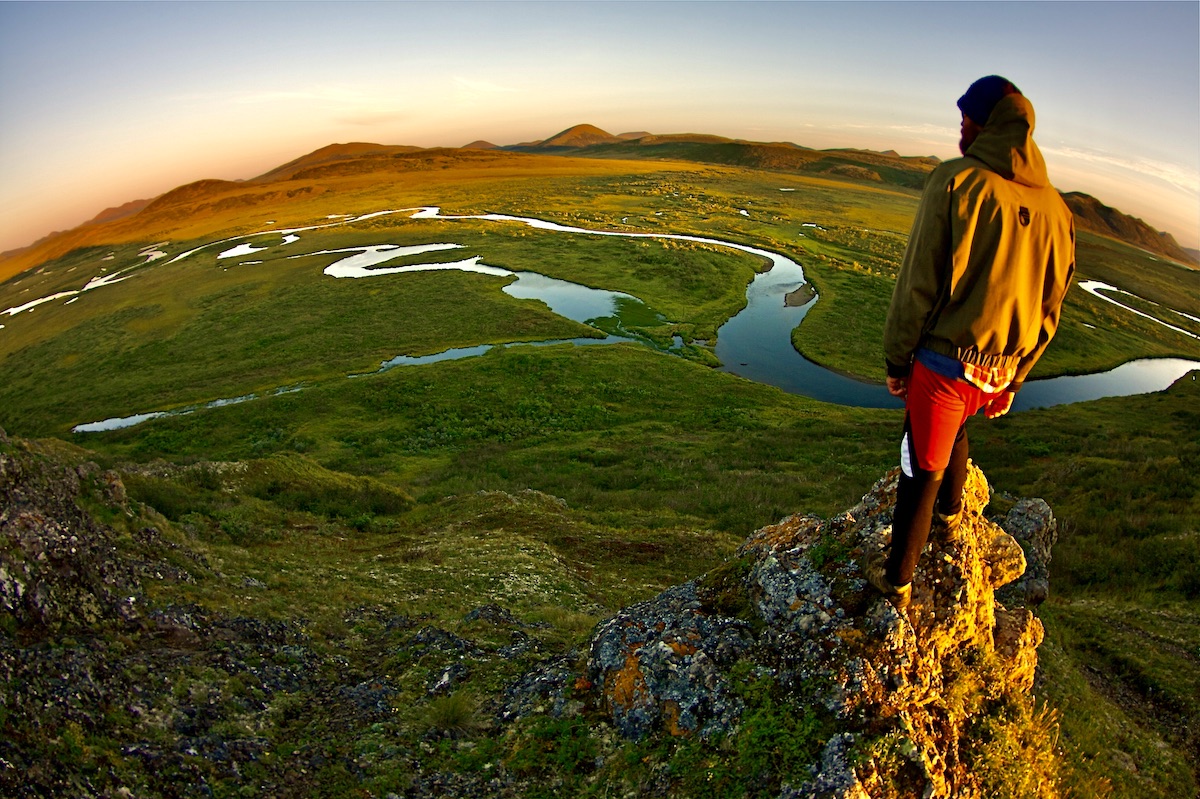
(783, 653)
(897, 701)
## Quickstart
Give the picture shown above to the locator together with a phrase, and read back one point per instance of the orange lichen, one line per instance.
(627, 685)
(671, 719)
(680, 648)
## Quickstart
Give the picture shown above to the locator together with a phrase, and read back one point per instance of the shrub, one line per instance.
(172, 498)
(456, 714)
(294, 482)
(1014, 753)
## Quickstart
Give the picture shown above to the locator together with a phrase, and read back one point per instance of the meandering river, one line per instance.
(755, 344)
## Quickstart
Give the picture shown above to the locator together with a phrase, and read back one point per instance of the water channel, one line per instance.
(755, 343)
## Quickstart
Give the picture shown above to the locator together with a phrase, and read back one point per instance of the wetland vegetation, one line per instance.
(563, 482)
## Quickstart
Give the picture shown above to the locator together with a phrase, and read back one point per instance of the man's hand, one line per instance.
(898, 387)
(999, 405)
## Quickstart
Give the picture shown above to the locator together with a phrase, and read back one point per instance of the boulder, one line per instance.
(1031, 522)
(792, 606)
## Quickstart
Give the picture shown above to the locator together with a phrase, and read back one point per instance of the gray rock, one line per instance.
(1031, 522)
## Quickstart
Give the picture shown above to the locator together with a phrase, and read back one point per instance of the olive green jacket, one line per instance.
(990, 256)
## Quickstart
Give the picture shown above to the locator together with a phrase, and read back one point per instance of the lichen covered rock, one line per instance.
(59, 567)
(897, 693)
(1032, 524)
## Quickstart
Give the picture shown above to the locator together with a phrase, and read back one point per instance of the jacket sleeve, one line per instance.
(922, 276)
(1052, 299)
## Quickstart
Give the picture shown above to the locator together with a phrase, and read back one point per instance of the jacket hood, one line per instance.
(1006, 143)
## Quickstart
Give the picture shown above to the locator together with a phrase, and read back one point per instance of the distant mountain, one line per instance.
(333, 154)
(576, 137)
(119, 212)
(16, 251)
(853, 164)
(682, 138)
(107, 215)
(861, 165)
(1096, 217)
(190, 193)
(303, 176)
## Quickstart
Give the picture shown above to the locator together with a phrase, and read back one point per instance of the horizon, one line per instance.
(186, 91)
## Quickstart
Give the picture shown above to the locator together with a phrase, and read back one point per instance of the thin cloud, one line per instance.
(1174, 174)
(368, 119)
(482, 86)
(471, 92)
(325, 94)
(919, 131)
(926, 139)
(347, 106)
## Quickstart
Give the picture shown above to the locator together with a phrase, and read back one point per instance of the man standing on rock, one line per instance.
(977, 300)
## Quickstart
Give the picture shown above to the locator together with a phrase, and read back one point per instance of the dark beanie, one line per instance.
(982, 97)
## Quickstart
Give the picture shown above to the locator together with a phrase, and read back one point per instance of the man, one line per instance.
(977, 300)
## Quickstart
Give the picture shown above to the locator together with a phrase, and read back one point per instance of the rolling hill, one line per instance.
(582, 141)
(578, 136)
(333, 154)
(1096, 217)
(591, 142)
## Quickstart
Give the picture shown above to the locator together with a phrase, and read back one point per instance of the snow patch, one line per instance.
(242, 249)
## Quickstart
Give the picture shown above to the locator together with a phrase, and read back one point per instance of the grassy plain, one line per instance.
(564, 482)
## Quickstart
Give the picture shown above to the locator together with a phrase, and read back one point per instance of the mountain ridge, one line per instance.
(332, 153)
(1094, 216)
(119, 211)
(589, 141)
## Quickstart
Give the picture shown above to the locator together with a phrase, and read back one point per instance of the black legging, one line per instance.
(915, 498)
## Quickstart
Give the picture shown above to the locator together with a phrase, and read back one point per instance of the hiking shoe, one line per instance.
(945, 528)
(876, 575)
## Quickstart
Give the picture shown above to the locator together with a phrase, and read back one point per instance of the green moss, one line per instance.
(562, 747)
(723, 591)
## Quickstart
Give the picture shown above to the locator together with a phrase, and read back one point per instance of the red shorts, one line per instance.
(937, 407)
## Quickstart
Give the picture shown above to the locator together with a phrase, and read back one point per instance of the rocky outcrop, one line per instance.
(895, 696)
(1032, 524)
(782, 659)
(59, 567)
(106, 693)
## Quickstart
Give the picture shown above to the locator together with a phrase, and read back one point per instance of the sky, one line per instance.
(106, 102)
